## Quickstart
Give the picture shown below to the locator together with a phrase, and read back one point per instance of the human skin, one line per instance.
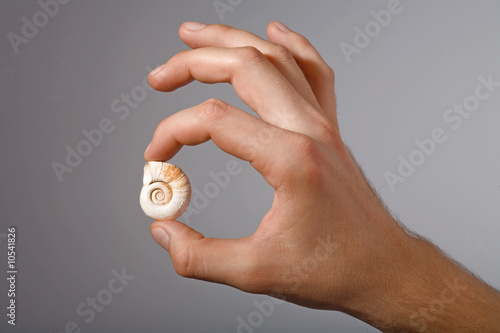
(328, 242)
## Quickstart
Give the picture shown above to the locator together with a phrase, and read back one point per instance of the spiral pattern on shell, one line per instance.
(161, 196)
(166, 191)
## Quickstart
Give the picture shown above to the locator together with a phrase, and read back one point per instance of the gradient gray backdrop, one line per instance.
(71, 235)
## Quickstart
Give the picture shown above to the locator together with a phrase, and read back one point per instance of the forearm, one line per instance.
(426, 291)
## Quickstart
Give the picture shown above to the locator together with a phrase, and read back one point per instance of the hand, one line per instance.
(327, 242)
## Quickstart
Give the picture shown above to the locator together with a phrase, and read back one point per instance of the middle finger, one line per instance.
(219, 35)
(256, 81)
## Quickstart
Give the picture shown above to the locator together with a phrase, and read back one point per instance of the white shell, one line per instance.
(166, 192)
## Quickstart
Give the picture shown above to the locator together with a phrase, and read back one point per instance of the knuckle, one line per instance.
(310, 165)
(179, 57)
(281, 53)
(164, 124)
(183, 264)
(329, 74)
(330, 136)
(302, 41)
(250, 55)
(327, 132)
(213, 109)
(308, 154)
(305, 147)
(304, 44)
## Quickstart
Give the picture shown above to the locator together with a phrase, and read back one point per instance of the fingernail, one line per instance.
(147, 149)
(194, 25)
(282, 27)
(160, 236)
(156, 70)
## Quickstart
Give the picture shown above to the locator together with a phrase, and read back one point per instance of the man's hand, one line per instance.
(327, 242)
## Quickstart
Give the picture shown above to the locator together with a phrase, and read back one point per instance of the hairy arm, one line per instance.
(431, 293)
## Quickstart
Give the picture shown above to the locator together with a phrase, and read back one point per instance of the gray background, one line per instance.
(72, 234)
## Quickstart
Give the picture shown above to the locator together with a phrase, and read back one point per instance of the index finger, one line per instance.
(233, 130)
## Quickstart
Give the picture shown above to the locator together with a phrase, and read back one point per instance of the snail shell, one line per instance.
(166, 191)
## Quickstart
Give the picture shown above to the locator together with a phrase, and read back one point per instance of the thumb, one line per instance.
(226, 261)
